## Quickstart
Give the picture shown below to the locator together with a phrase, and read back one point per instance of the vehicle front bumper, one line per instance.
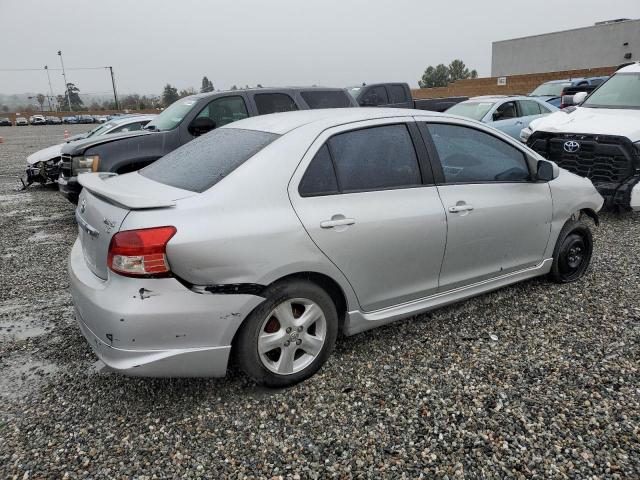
(69, 187)
(155, 327)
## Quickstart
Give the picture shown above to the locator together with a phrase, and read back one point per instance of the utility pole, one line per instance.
(49, 97)
(66, 85)
(113, 82)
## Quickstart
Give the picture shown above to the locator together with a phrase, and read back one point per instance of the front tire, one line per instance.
(572, 254)
(289, 336)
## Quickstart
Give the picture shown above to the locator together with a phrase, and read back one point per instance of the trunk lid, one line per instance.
(104, 203)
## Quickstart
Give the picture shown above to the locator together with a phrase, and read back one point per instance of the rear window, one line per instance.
(274, 103)
(326, 99)
(203, 162)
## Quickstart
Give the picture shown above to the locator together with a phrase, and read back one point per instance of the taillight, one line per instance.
(141, 253)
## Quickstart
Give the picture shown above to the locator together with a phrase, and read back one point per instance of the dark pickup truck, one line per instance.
(398, 95)
(180, 123)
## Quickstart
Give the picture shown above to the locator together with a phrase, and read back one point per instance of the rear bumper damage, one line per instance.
(155, 327)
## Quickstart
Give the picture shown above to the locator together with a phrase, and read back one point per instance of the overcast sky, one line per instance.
(272, 42)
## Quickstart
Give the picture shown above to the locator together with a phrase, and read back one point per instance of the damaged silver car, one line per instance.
(264, 239)
(44, 165)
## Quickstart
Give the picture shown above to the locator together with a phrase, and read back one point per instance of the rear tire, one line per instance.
(289, 336)
(572, 254)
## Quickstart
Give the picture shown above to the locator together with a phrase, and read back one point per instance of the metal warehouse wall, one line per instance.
(582, 48)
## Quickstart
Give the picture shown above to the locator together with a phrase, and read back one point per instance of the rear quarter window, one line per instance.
(203, 162)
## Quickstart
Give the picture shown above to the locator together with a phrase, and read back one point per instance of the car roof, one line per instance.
(634, 68)
(266, 90)
(132, 118)
(497, 98)
(281, 123)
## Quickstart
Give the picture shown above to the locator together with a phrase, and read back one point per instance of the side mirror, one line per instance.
(201, 125)
(547, 171)
(367, 102)
(579, 97)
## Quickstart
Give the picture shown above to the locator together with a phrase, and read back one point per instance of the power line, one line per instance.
(52, 69)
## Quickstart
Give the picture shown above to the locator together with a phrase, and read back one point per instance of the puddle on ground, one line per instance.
(20, 329)
(15, 198)
(43, 237)
(22, 375)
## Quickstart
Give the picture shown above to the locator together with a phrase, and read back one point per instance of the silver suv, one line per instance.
(265, 238)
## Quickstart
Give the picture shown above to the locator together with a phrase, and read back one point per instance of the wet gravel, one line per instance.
(532, 381)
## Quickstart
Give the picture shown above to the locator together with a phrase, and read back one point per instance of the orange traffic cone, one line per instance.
(66, 133)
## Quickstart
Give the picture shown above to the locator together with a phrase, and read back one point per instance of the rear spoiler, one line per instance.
(97, 183)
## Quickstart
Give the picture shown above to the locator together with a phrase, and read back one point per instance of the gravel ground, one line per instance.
(532, 381)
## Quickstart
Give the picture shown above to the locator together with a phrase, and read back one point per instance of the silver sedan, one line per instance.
(266, 238)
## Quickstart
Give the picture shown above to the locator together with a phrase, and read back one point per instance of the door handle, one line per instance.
(339, 222)
(461, 208)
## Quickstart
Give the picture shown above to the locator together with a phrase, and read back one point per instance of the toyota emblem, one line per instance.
(571, 146)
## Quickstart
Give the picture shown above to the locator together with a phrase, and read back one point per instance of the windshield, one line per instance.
(355, 91)
(473, 110)
(172, 115)
(620, 91)
(550, 89)
(100, 129)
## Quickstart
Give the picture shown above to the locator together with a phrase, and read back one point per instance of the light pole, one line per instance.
(66, 85)
(49, 97)
(113, 82)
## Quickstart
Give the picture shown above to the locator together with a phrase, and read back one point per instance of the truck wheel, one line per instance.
(288, 337)
(572, 254)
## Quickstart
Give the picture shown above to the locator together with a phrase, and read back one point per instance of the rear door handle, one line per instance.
(461, 208)
(337, 222)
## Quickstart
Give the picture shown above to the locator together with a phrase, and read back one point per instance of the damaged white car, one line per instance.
(44, 165)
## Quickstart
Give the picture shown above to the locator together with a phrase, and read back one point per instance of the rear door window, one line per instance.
(375, 158)
(326, 99)
(505, 111)
(274, 103)
(203, 162)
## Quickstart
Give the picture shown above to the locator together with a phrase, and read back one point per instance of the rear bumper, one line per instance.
(155, 327)
(69, 187)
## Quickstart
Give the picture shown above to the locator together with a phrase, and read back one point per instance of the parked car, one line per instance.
(71, 119)
(398, 95)
(180, 123)
(37, 120)
(506, 113)
(5, 122)
(552, 91)
(598, 139)
(44, 165)
(85, 119)
(21, 122)
(265, 237)
(100, 118)
(53, 120)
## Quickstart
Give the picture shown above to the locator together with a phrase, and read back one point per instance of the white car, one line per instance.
(43, 165)
(599, 139)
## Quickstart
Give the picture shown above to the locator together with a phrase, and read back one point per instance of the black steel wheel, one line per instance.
(573, 252)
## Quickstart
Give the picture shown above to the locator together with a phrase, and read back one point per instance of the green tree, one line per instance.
(437, 76)
(459, 71)
(442, 75)
(73, 94)
(5, 108)
(233, 87)
(41, 98)
(169, 95)
(207, 86)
